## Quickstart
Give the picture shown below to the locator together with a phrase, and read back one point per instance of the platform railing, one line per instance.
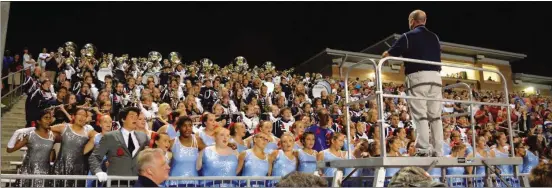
(380, 163)
(381, 95)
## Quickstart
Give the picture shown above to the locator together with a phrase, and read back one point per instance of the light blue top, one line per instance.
(456, 171)
(218, 165)
(479, 170)
(329, 156)
(446, 148)
(183, 162)
(504, 169)
(207, 140)
(283, 165)
(253, 165)
(296, 147)
(270, 147)
(171, 131)
(530, 160)
(240, 148)
(307, 163)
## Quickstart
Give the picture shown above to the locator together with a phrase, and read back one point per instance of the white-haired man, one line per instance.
(153, 168)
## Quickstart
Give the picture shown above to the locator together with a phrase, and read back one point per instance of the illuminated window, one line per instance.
(490, 76)
(458, 73)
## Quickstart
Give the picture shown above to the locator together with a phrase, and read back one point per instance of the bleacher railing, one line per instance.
(21, 180)
(14, 81)
(24, 180)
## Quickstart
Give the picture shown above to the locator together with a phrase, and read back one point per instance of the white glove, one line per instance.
(16, 134)
(102, 176)
(316, 173)
(88, 127)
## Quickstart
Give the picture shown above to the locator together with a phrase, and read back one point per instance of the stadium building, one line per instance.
(329, 62)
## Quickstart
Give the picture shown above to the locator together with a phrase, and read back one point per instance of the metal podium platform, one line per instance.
(383, 162)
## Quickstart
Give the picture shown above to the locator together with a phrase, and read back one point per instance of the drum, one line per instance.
(321, 85)
(270, 86)
(104, 72)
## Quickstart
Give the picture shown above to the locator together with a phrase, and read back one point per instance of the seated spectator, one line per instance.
(299, 179)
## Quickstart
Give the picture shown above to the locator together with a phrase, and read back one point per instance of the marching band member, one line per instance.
(218, 159)
(254, 161)
(40, 153)
(307, 155)
(71, 160)
(283, 123)
(283, 161)
(148, 107)
(185, 150)
(266, 128)
(39, 100)
(162, 117)
(297, 129)
(106, 126)
(237, 131)
(250, 119)
(208, 132)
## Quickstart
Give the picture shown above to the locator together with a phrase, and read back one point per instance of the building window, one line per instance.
(458, 73)
(491, 76)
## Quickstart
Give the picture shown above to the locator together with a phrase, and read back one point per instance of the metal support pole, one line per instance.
(4, 16)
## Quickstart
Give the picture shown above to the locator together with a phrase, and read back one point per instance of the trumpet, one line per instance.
(173, 95)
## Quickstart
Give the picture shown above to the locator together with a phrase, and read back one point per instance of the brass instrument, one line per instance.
(240, 64)
(154, 57)
(256, 70)
(70, 48)
(104, 63)
(206, 64)
(269, 66)
(88, 52)
(173, 95)
(175, 58)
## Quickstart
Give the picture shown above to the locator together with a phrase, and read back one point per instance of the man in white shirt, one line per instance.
(42, 57)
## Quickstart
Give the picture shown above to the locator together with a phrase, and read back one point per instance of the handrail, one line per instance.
(472, 115)
(13, 73)
(347, 104)
(13, 91)
(381, 95)
(110, 177)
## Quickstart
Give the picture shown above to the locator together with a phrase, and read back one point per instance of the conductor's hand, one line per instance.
(385, 54)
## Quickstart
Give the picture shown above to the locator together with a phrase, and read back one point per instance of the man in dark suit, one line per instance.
(153, 168)
(121, 148)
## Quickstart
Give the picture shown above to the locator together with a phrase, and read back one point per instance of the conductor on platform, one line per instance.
(424, 81)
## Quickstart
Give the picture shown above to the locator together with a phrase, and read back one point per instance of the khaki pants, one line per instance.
(426, 114)
(51, 76)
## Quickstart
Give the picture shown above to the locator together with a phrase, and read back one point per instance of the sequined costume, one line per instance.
(207, 140)
(240, 148)
(254, 166)
(307, 162)
(283, 165)
(183, 163)
(215, 164)
(37, 160)
(71, 160)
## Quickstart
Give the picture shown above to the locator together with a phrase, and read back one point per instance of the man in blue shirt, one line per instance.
(424, 81)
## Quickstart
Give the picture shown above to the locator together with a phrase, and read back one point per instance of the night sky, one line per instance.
(286, 33)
